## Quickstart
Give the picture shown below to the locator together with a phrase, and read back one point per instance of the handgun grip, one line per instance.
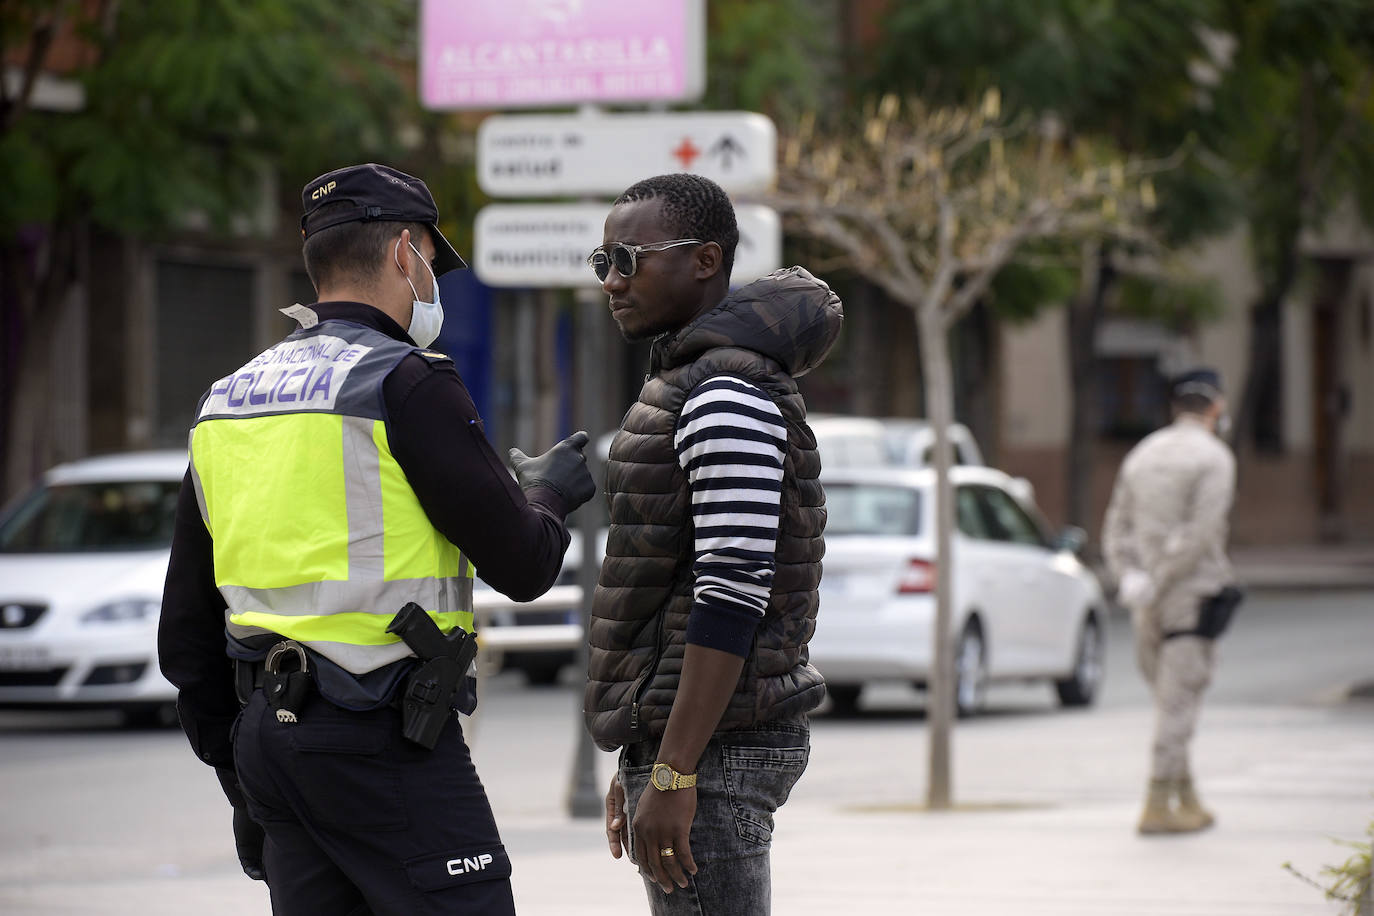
(418, 631)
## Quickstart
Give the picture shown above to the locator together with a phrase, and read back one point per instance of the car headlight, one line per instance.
(124, 610)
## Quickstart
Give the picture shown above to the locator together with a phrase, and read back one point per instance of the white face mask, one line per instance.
(426, 318)
(1224, 425)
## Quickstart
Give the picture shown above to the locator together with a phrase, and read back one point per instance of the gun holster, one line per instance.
(1214, 614)
(427, 701)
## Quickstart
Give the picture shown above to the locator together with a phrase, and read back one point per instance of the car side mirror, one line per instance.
(1071, 539)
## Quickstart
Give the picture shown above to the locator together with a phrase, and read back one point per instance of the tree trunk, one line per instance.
(1330, 394)
(45, 280)
(585, 799)
(934, 345)
(978, 378)
(1259, 421)
(547, 380)
(1084, 317)
(867, 333)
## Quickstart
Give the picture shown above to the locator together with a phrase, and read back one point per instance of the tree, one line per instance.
(931, 204)
(189, 108)
(1295, 120)
(771, 57)
(1134, 73)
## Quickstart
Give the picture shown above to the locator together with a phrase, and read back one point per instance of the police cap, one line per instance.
(377, 192)
(1201, 381)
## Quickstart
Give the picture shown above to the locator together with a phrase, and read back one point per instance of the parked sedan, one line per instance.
(1024, 607)
(83, 557)
(846, 441)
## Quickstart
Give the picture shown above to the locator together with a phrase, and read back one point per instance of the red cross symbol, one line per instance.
(686, 152)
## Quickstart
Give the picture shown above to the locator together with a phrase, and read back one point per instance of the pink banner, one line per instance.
(512, 53)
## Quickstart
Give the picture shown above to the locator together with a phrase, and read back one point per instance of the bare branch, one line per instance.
(1040, 220)
(905, 198)
(974, 140)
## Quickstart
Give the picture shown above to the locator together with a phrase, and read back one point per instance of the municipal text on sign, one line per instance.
(563, 155)
(546, 245)
(521, 53)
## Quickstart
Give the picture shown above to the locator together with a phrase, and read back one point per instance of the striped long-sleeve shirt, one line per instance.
(731, 440)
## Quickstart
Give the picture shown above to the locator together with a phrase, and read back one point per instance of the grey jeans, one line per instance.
(742, 779)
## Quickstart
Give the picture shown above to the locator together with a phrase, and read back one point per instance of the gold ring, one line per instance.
(667, 851)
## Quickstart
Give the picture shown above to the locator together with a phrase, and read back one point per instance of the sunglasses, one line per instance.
(625, 258)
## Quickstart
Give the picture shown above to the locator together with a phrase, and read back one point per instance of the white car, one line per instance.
(83, 557)
(849, 441)
(1024, 607)
(911, 443)
(846, 441)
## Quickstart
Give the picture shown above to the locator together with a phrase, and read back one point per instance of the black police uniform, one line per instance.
(357, 818)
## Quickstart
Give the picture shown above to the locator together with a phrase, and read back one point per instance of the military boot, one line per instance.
(1159, 816)
(1189, 807)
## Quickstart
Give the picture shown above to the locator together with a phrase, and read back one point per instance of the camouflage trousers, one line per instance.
(1178, 671)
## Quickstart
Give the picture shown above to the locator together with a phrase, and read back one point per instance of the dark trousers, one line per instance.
(361, 821)
(743, 778)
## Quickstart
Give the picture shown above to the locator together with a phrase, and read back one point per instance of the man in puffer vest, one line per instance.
(707, 598)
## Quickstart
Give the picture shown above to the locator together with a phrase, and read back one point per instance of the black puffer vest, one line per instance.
(768, 332)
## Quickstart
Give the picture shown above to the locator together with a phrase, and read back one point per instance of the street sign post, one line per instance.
(567, 155)
(543, 245)
(535, 53)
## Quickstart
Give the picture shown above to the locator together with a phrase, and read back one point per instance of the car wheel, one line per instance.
(970, 671)
(844, 698)
(1080, 688)
(146, 716)
(541, 674)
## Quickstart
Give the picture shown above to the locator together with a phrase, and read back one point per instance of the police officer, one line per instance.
(335, 478)
(1164, 537)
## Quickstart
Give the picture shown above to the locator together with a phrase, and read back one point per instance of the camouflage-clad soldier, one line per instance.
(1164, 537)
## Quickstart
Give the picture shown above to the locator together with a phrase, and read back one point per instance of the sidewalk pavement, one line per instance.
(1305, 566)
(1044, 824)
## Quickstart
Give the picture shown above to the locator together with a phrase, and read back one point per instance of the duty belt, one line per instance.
(284, 675)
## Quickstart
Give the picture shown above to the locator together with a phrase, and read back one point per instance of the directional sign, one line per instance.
(564, 155)
(548, 244)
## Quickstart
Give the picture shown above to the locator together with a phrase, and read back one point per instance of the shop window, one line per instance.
(203, 331)
(1133, 397)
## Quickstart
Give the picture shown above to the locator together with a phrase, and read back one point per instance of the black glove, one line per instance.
(562, 469)
(248, 836)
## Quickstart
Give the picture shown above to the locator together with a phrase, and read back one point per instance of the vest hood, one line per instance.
(788, 316)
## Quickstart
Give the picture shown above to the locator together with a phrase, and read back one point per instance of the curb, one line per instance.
(1280, 579)
(1361, 691)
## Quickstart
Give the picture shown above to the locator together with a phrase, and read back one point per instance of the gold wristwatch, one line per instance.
(666, 779)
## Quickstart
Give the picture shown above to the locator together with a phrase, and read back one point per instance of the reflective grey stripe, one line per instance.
(195, 480)
(363, 493)
(464, 584)
(361, 659)
(353, 659)
(352, 596)
(444, 595)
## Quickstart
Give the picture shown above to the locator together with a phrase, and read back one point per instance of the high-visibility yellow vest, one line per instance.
(318, 536)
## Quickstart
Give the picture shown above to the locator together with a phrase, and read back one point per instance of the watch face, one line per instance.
(662, 778)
